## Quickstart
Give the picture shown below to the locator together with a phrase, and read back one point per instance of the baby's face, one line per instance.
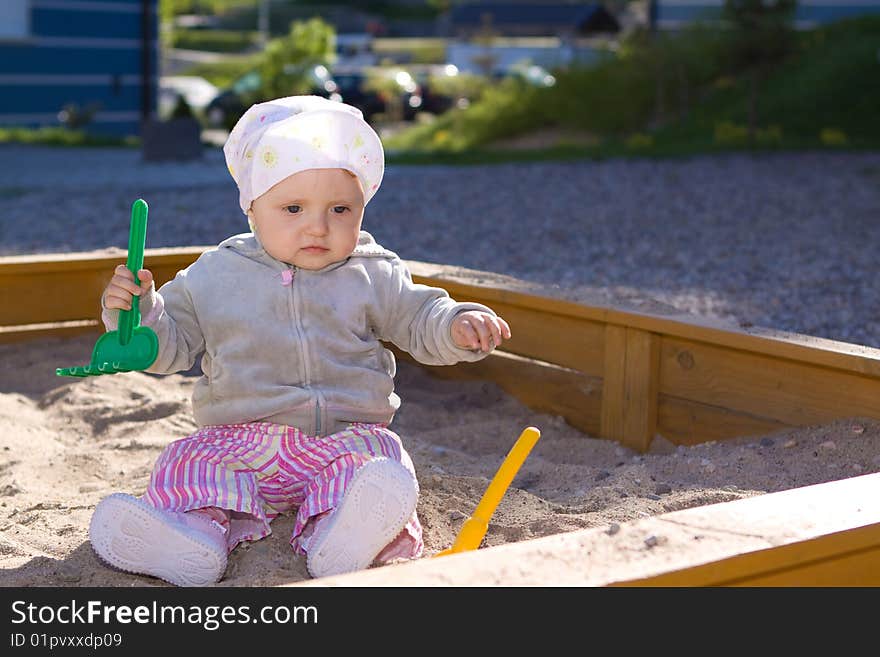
(312, 218)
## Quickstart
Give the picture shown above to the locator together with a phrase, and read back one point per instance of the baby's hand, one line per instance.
(122, 286)
(474, 329)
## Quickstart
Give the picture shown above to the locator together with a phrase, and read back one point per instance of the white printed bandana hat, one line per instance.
(281, 137)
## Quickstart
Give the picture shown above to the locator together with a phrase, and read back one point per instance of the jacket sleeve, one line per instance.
(170, 313)
(418, 318)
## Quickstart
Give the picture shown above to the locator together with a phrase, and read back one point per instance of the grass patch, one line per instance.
(422, 50)
(223, 74)
(225, 41)
(59, 136)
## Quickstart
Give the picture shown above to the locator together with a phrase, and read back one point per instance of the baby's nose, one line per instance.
(318, 225)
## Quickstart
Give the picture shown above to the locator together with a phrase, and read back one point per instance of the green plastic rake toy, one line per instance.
(132, 346)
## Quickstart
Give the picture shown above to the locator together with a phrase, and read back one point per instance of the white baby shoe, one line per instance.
(381, 498)
(182, 548)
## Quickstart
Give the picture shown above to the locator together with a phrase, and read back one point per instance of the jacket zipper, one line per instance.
(288, 280)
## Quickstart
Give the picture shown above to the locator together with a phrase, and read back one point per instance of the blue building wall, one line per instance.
(83, 52)
(672, 14)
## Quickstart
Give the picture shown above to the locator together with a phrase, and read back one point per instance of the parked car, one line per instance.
(228, 106)
(436, 97)
(353, 87)
(379, 90)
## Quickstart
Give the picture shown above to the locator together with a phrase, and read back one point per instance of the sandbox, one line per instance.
(675, 450)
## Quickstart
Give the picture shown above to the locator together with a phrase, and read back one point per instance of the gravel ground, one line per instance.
(783, 241)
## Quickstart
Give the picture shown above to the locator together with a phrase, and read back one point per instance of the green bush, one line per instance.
(830, 80)
(182, 110)
(222, 74)
(834, 80)
(678, 89)
(638, 140)
(469, 86)
(614, 97)
(213, 40)
(772, 134)
(833, 137)
(285, 61)
(727, 132)
(416, 50)
(50, 136)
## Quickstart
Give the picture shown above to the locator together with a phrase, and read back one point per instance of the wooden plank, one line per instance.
(629, 394)
(846, 567)
(613, 412)
(685, 422)
(822, 535)
(790, 392)
(849, 558)
(640, 388)
(24, 332)
(714, 381)
(826, 534)
(781, 344)
(178, 257)
(571, 342)
(49, 297)
(543, 387)
(807, 349)
(64, 287)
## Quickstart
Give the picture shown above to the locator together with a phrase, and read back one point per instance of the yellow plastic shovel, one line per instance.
(475, 527)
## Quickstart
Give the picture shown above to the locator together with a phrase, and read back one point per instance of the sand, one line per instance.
(66, 443)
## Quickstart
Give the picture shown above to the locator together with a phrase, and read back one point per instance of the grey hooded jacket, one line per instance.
(306, 353)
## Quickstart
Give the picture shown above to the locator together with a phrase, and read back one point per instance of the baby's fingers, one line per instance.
(504, 327)
(117, 298)
(488, 333)
(124, 280)
(122, 287)
(145, 276)
(481, 331)
(499, 330)
(465, 335)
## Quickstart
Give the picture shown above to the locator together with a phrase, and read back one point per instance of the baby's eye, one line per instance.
(339, 209)
(293, 209)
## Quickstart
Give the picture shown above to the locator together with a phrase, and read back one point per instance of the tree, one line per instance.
(287, 61)
(677, 63)
(761, 35)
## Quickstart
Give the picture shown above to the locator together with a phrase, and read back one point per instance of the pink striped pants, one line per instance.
(258, 470)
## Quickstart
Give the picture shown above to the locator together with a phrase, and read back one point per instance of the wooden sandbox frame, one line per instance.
(614, 373)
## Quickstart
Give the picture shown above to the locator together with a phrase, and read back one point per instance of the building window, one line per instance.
(15, 19)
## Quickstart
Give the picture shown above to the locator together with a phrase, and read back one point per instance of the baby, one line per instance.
(297, 390)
